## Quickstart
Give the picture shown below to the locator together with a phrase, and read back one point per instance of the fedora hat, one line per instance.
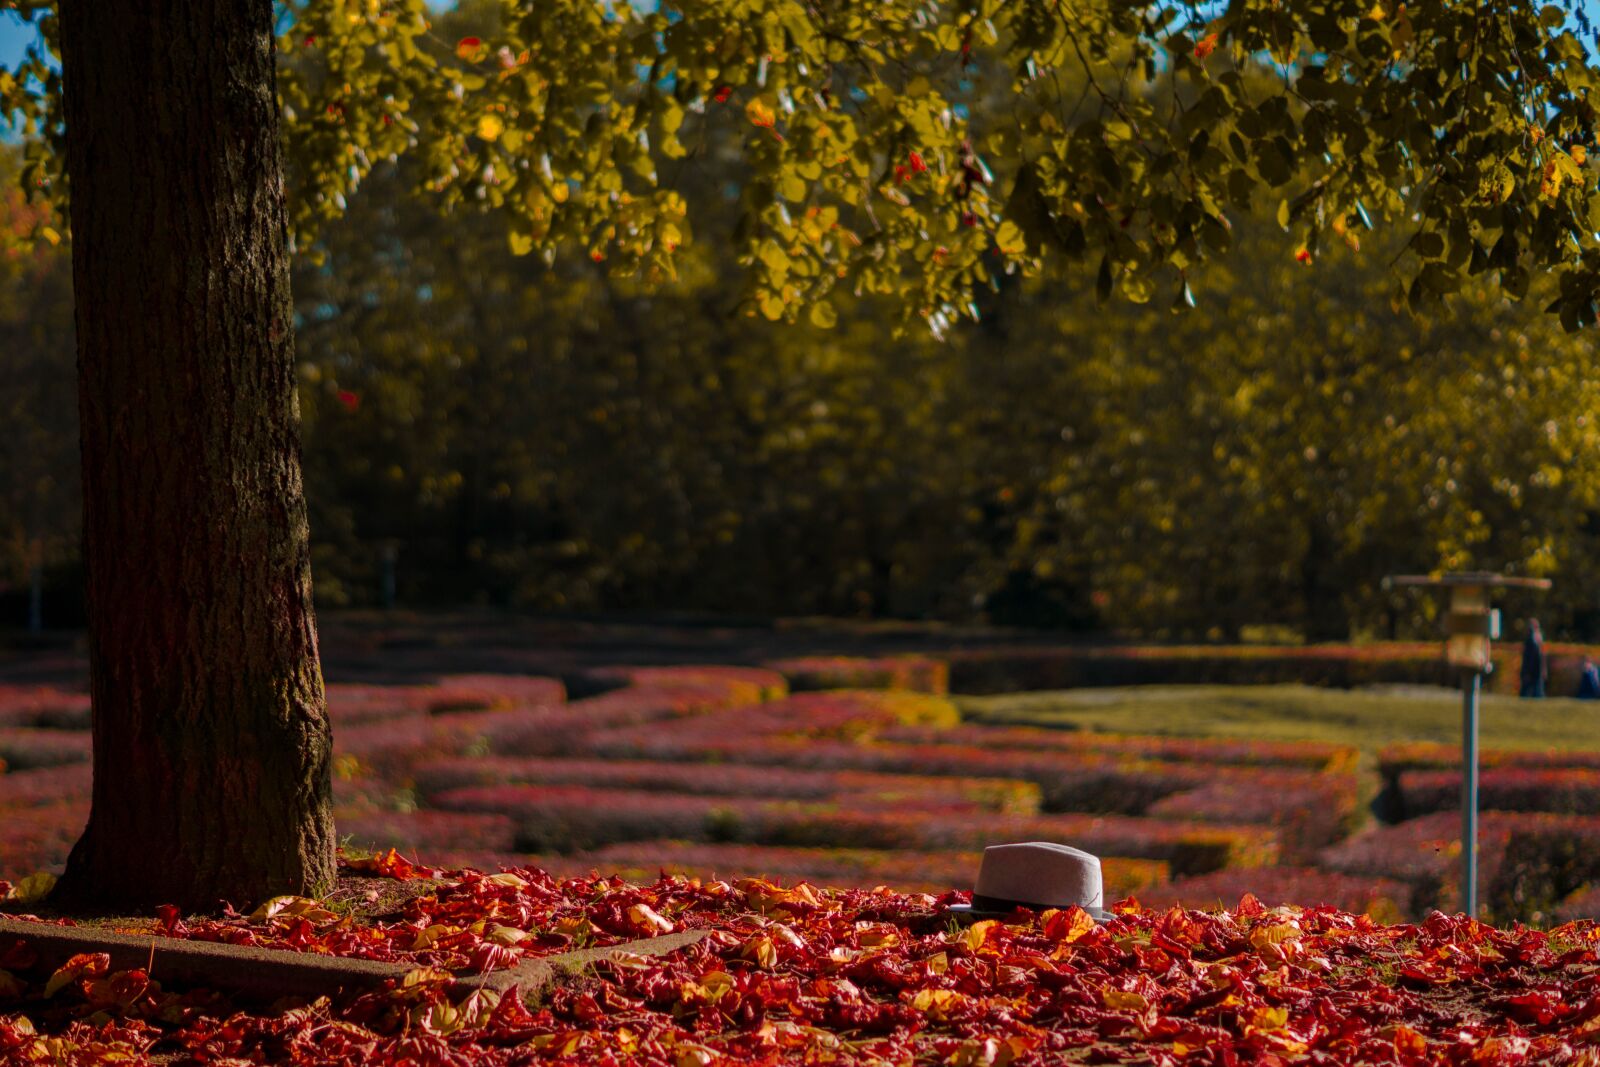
(1036, 875)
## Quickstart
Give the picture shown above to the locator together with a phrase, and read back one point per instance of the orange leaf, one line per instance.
(469, 49)
(83, 965)
(760, 114)
(1207, 45)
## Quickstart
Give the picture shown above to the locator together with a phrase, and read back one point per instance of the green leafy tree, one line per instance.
(38, 487)
(571, 119)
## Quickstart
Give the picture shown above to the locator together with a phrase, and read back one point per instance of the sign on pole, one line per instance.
(1470, 627)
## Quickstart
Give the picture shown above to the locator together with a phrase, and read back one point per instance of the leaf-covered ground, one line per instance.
(804, 975)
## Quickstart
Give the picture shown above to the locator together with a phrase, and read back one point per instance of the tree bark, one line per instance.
(211, 738)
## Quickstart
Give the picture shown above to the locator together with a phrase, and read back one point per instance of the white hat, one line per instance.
(1036, 875)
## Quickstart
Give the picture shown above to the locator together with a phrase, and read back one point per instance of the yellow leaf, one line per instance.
(824, 317)
(1263, 936)
(442, 1018)
(425, 976)
(33, 888)
(763, 951)
(432, 935)
(287, 907)
(1119, 1000)
(1268, 1018)
(978, 933)
(693, 1056)
(937, 1003)
(646, 916)
(760, 113)
(521, 243)
(506, 935)
(490, 127)
(1009, 240)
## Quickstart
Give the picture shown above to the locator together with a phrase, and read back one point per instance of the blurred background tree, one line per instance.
(552, 438)
(543, 434)
(38, 416)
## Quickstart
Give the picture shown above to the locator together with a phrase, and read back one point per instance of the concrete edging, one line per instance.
(266, 972)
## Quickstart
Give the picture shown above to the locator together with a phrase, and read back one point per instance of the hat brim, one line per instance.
(967, 911)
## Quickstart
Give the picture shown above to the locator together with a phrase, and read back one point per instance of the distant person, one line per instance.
(1535, 669)
(1589, 681)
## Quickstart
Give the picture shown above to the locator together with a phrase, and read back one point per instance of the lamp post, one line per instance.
(1470, 626)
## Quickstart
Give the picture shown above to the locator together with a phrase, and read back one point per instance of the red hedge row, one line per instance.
(921, 674)
(44, 785)
(1559, 790)
(574, 818)
(1527, 863)
(856, 787)
(739, 685)
(933, 872)
(39, 705)
(426, 831)
(1315, 809)
(26, 747)
(39, 837)
(1015, 670)
(1304, 755)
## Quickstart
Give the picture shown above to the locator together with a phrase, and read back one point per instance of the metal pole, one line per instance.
(1469, 792)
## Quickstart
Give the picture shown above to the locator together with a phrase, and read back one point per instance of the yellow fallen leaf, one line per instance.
(978, 933)
(938, 1004)
(505, 935)
(646, 916)
(1269, 1018)
(1121, 1000)
(431, 936)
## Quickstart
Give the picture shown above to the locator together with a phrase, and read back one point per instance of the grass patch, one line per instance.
(1366, 719)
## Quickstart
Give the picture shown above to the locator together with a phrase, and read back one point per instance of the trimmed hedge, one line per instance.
(39, 838)
(574, 818)
(1016, 670)
(41, 705)
(1558, 790)
(740, 685)
(1527, 863)
(921, 674)
(863, 788)
(922, 871)
(23, 748)
(44, 785)
(426, 831)
(1304, 755)
(1025, 669)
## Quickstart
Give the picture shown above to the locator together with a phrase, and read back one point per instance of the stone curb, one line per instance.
(270, 973)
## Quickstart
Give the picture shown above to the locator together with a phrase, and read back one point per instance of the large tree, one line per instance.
(212, 747)
(864, 172)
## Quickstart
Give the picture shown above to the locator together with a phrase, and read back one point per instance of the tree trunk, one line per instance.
(211, 738)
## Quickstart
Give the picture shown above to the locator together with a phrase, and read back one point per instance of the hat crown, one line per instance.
(1040, 874)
